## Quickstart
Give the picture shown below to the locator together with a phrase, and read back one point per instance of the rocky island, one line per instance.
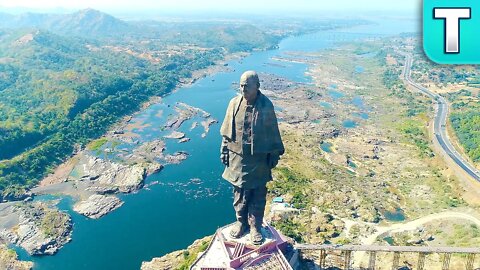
(41, 229)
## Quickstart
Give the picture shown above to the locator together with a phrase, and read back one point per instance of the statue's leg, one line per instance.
(256, 209)
(256, 206)
(240, 203)
(240, 199)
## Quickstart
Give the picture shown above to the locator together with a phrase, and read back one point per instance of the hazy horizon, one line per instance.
(340, 8)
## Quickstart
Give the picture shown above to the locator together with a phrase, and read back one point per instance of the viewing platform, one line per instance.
(227, 253)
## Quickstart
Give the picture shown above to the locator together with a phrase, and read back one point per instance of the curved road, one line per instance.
(407, 226)
(440, 119)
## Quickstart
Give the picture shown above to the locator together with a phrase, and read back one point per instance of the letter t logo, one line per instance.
(451, 17)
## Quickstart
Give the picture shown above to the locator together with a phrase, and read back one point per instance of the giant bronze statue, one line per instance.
(251, 147)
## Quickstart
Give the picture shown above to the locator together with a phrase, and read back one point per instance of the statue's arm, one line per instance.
(274, 156)
(273, 159)
(276, 134)
(224, 145)
(224, 156)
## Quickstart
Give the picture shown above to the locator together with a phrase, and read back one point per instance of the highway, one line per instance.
(439, 123)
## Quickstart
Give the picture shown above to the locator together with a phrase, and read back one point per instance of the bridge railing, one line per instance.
(388, 257)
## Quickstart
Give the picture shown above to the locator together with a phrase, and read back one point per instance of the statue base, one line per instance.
(228, 253)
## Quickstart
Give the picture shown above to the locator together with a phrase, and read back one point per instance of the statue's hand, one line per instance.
(273, 160)
(224, 158)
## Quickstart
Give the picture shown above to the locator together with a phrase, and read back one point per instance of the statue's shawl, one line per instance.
(265, 134)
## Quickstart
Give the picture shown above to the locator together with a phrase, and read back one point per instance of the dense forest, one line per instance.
(465, 120)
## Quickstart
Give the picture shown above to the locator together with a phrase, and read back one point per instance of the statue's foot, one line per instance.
(256, 235)
(238, 229)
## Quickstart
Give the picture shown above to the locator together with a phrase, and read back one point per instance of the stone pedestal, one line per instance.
(225, 252)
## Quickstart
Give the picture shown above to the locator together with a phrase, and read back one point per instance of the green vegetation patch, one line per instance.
(190, 256)
(467, 127)
(53, 223)
(96, 144)
(461, 235)
(291, 229)
(294, 184)
(416, 133)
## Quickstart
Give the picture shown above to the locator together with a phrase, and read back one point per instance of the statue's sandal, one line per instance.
(238, 230)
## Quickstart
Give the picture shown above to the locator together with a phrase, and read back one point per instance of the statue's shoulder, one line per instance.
(236, 99)
(265, 101)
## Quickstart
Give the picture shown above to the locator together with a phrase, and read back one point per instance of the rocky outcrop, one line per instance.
(206, 125)
(15, 195)
(9, 261)
(177, 157)
(178, 258)
(101, 177)
(167, 262)
(175, 135)
(97, 206)
(152, 168)
(126, 178)
(41, 229)
(184, 140)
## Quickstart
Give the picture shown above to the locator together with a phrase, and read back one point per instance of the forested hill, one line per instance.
(93, 24)
(87, 22)
(57, 93)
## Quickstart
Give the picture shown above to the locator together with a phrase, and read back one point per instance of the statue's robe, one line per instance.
(249, 166)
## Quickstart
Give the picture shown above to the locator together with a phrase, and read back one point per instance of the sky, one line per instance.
(266, 6)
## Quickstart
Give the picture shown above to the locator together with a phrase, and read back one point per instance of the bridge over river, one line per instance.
(340, 256)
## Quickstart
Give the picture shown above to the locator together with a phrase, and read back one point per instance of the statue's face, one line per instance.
(248, 88)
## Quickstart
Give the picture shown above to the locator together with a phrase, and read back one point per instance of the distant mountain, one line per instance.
(86, 23)
(90, 22)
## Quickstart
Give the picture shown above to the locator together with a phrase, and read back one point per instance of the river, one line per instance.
(171, 215)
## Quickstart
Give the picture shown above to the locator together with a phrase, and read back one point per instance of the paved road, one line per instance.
(440, 119)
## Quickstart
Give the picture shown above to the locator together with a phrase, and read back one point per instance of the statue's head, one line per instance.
(249, 85)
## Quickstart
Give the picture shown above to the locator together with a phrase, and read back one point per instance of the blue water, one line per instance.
(349, 123)
(171, 215)
(326, 105)
(327, 147)
(389, 240)
(358, 102)
(359, 69)
(336, 94)
(397, 215)
(362, 115)
(352, 164)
